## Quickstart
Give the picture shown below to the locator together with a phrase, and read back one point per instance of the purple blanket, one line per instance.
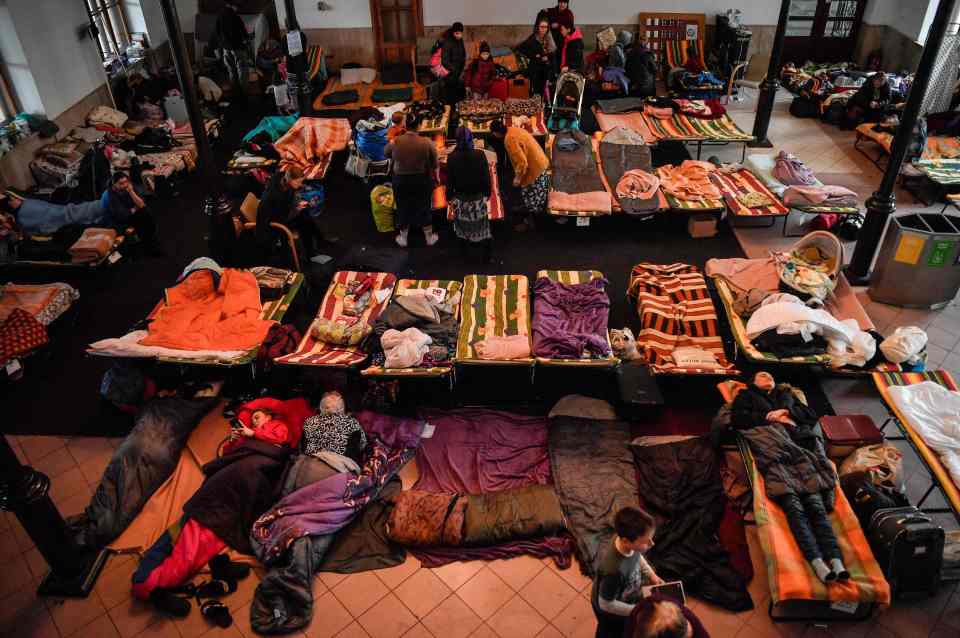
(328, 505)
(477, 451)
(570, 320)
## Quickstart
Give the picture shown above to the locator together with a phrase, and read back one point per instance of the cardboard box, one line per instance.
(702, 226)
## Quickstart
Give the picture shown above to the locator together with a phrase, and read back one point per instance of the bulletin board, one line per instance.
(673, 37)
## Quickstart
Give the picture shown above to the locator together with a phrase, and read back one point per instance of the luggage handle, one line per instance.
(913, 518)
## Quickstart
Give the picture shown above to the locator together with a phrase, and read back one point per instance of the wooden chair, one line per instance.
(248, 222)
(754, 73)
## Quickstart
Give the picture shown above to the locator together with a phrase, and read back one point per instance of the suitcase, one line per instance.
(844, 434)
(909, 547)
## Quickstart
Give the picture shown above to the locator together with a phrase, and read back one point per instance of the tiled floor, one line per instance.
(506, 599)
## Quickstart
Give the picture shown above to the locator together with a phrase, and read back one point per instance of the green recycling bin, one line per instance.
(919, 261)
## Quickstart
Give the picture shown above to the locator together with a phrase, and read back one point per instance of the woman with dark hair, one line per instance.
(539, 50)
(468, 191)
(571, 51)
(869, 102)
(641, 69)
(556, 15)
(453, 57)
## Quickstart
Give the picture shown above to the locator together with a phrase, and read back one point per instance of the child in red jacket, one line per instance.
(481, 73)
(266, 427)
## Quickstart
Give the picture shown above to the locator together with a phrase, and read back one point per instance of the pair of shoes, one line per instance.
(432, 238)
(225, 575)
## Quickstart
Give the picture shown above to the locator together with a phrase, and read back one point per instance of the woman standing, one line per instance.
(414, 170)
(529, 169)
(539, 49)
(453, 57)
(571, 51)
(468, 191)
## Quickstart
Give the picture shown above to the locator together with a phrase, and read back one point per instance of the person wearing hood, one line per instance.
(617, 54)
(468, 191)
(481, 73)
(540, 50)
(571, 52)
(556, 15)
(641, 67)
(453, 57)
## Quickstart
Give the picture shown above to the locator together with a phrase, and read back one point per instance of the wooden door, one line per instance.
(822, 30)
(396, 25)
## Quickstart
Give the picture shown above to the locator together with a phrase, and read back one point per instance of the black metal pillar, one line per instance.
(770, 84)
(298, 63)
(25, 492)
(181, 63)
(883, 203)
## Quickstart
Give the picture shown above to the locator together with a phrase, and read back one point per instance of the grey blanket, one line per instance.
(622, 150)
(621, 105)
(594, 476)
(574, 170)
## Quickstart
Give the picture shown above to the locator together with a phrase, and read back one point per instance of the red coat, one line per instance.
(288, 415)
(480, 75)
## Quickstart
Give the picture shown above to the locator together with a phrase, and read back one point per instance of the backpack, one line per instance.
(804, 107)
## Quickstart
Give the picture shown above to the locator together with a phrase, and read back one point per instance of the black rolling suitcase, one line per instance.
(909, 547)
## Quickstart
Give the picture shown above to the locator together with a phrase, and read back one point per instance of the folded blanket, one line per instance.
(817, 195)
(594, 202)
(637, 184)
(94, 244)
(790, 170)
(689, 181)
(503, 348)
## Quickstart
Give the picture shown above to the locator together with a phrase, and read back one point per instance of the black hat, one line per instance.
(484, 47)
(457, 26)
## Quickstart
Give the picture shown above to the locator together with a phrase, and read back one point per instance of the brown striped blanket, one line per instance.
(675, 311)
(743, 182)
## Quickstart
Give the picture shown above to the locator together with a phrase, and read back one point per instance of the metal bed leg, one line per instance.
(743, 153)
(926, 494)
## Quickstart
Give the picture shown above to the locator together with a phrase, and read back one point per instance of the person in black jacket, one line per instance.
(779, 428)
(571, 50)
(230, 39)
(279, 204)
(539, 50)
(468, 191)
(869, 102)
(641, 69)
(453, 57)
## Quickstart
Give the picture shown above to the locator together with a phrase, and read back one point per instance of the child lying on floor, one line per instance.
(266, 427)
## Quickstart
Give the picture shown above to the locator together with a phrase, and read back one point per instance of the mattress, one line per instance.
(883, 381)
(743, 182)
(365, 93)
(585, 204)
(790, 576)
(762, 167)
(452, 287)
(675, 311)
(576, 277)
(493, 305)
(312, 352)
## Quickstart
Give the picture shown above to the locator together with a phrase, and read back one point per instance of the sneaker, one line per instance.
(402, 240)
(432, 238)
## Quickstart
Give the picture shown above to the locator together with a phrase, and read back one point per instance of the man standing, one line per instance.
(125, 206)
(415, 164)
(529, 168)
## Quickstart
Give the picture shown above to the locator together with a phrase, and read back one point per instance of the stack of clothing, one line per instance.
(416, 330)
(94, 244)
(689, 181)
(481, 108)
(57, 165)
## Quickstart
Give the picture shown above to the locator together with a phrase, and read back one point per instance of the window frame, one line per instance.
(108, 18)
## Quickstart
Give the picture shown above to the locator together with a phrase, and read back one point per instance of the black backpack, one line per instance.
(804, 107)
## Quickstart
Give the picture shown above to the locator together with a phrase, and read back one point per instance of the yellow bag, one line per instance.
(340, 334)
(383, 207)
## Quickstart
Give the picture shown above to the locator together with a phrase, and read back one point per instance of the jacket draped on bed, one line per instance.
(570, 319)
(789, 467)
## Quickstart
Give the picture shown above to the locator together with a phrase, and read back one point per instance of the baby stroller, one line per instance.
(567, 101)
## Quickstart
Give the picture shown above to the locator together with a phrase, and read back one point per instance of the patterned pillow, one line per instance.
(20, 334)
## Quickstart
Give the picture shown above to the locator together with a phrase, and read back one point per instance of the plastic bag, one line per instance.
(882, 461)
(904, 345)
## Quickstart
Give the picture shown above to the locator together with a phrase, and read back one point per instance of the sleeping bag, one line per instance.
(144, 460)
(427, 519)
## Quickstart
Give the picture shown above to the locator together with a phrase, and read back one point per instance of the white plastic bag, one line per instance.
(904, 345)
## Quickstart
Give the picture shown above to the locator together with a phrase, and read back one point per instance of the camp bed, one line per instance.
(611, 188)
(584, 213)
(493, 305)
(436, 125)
(312, 352)
(939, 476)
(739, 329)
(795, 591)
(537, 128)
(576, 277)
(367, 94)
(452, 287)
(742, 182)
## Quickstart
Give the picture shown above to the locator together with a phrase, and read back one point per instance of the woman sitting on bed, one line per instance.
(779, 428)
(869, 102)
